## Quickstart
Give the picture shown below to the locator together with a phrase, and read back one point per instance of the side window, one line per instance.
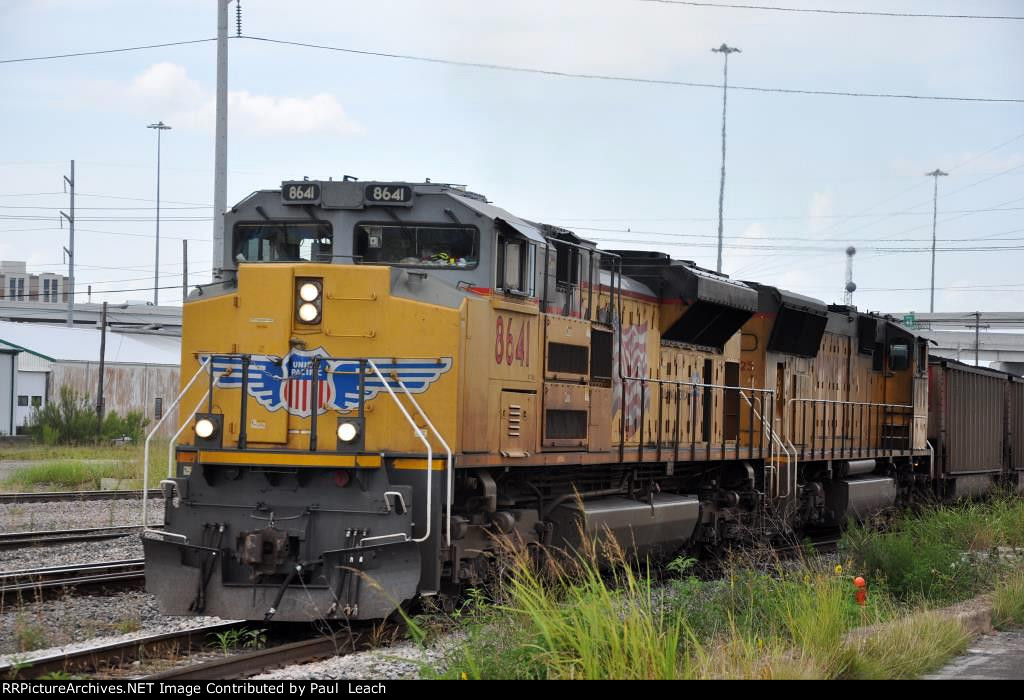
(515, 266)
(567, 268)
(23, 400)
(158, 408)
(922, 356)
(37, 401)
(899, 356)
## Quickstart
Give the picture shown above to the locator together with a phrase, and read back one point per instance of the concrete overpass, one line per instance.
(144, 318)
(969, 336)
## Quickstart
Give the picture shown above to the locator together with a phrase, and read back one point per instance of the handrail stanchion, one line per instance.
(678, 408)
(145, 450)
(314, 404)
(422, 438)
(448, 487)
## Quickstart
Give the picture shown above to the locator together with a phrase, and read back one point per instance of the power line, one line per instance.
(811, 10)
(29, 206)
(108, 219)
(626, 79)
(103, 51)
(809, 239)
(798, 217)
(109, 233)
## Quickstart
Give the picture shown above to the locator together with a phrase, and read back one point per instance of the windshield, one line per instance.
(418, 245)
(278, 241)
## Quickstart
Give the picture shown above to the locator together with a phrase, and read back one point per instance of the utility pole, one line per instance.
(160, 128)
(725, 50)
(935, 213)
(103, 354)
(184, 269)
(70, 250)
(977, 337)
(220, 159)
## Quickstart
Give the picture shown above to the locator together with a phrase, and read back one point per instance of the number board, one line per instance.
(301, 192)
(393, 195)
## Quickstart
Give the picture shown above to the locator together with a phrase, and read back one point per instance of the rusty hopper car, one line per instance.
(388, 375)
(974, 425)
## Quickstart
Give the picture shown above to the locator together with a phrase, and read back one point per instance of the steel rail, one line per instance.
(100, 656)
(56, 496)
(71, 576)
(10, 540)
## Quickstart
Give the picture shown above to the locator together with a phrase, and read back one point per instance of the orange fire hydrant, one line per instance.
(861, 593)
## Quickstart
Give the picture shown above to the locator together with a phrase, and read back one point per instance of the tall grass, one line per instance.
(1008, 600)
(597, 615)
(940, 555)
(83, 468)
(906, 649)
(565, 620)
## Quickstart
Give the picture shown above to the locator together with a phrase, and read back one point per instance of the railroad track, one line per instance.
(98, 658)
(10, 540)
(18, 583)
(106, 657)
(254, 662)
(359, 635)
(52, 496)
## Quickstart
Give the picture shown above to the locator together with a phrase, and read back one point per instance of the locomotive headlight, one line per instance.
(309, 300)
(204, 428)
(347, 432)
(308, 313)
(309, 292)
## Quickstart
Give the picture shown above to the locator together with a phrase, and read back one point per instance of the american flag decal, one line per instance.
(287, 382)
(634, 364)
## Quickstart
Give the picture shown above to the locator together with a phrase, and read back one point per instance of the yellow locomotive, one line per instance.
(389, 374)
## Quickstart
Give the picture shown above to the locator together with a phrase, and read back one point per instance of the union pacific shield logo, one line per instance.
(287, 382)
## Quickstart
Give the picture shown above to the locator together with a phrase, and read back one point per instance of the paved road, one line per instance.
(994, 657)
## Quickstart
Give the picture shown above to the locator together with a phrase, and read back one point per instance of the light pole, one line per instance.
(725, 50)
(935, 212)
(103, 358)
(160, 127)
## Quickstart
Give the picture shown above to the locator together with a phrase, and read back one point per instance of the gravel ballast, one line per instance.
(78, 622)
(115, 549)
(67, 515)
(401, 661)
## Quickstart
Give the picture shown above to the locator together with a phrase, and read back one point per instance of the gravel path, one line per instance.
(66, 515)
(402, 661)
(77, 622)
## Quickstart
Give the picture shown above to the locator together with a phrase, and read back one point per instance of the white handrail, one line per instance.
(448, 486)
(145, 450)
(174, 438)
(773, 440)
(426, 443)
(806, 399)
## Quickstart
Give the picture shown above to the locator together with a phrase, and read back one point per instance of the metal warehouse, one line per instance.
(140, 370)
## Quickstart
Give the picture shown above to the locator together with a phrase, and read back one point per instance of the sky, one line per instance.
(628, 164)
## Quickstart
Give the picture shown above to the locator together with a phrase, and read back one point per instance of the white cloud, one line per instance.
(167, 89)
(265, 114)
(166, 83)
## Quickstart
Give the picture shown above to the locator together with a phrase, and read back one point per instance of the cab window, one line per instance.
(899, 356)
(435, 245)
(514, 274)
(281, 241)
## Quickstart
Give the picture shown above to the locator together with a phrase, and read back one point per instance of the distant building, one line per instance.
(18, 285)
(140, 370)
(43, 298)
(8, 389)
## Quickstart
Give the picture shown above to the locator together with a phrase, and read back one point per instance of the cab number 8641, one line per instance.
(510, 346)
